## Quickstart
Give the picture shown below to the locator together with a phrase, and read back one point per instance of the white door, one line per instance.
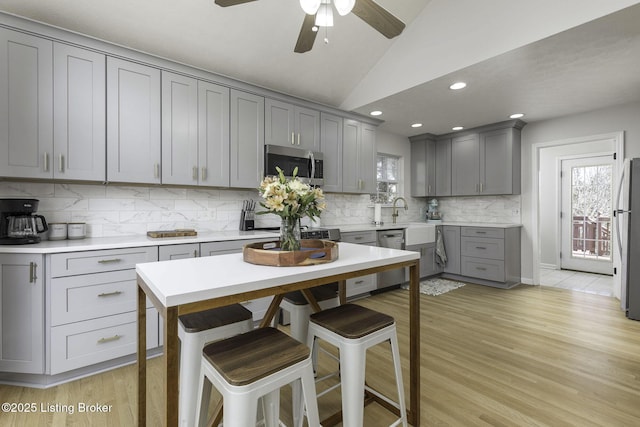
(586, 226)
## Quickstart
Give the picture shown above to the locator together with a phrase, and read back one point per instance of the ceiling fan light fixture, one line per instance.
(324, 17)
(310, 7)
(344, 7)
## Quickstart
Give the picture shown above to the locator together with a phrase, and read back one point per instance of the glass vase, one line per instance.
(290, 234)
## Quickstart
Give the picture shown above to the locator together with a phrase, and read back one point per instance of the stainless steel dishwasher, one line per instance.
(393, 239)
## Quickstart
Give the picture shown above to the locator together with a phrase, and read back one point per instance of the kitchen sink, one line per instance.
(418, 233)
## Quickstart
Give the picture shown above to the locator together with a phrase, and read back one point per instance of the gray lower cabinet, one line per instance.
(22, 313)
(428, 265)
(247, 140)
(489, 255)
(92, 296)
(451, 238)
(364, 284)
(133, 122)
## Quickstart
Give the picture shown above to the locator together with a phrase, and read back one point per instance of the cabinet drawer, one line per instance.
(483, 268)
(361, 285)
(364, 237)
(69, 264)
(229, 247)
(82, 344)
(496, 233)
(481, 247)
(90, 296)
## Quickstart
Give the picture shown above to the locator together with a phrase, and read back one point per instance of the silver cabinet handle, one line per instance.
(60, 163)
(46, 162)
(358, 238)
(110, 294)
(195, 253)
(32, 272)
(194, 173)
(156, 170)
(481, 268)
(298, 139)
(107, 261)
(358, 282)
(109, 339)
(293, 141)
(481, 247)
(481, 232)
(429, 190)
(481, 188)
(204, 173)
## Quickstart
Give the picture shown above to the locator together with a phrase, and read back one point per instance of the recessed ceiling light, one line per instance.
(416, 125)
(376, 113)
(457, 128)
(516, 115)
(458, 86)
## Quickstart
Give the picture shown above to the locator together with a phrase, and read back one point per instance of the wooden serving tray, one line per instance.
(312, 252)
(172, 233)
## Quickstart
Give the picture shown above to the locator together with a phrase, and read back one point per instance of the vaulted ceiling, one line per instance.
(543, 58)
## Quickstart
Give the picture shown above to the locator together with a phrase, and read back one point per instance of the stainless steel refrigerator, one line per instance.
(629, 218)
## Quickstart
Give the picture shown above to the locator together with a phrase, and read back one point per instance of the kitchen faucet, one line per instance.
(394, 215)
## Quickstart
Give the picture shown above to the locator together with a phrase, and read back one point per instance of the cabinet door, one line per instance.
(171, 252)
(247, 140)
(465, 165)
(499, 161)
(451, 236)
(26, 102)
(431, 168)
(21, 313)
(352, 135)
(79, 114)
(279, 124)
(443, 167)
(213, 134)
(307, 126)
(418, 169)
(331, 147)
(133, 122)
(367, 161)
(179, 129)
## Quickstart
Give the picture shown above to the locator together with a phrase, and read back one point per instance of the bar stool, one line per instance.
(299, 309)
(195, 330)
(354, 329)
(256, 364)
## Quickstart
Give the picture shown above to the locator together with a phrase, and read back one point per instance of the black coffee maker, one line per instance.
(18, 224)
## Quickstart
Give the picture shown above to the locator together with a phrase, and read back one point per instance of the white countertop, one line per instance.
(189, 280)
(98, 243)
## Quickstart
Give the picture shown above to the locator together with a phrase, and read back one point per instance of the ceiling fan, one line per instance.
(319, 13)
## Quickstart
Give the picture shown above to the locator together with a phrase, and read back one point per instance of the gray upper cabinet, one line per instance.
(291, 125)
(26, 103)
(331, 147)
(500, 161)
(423, 167)
(133, 122)
(213, 134)
(179, 129)
(465, 165)
(358, 157)
(247, 140)
(443, 167)
(79, 139)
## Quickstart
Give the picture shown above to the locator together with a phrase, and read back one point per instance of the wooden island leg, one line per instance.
(142, 358)
(172, 366)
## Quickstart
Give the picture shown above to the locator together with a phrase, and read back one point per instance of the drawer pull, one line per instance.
(481, 268)
(359, 282)
(109, 339)
(109, 294)
(481, 247)
(358, 238)
(481, 232)
(107, 261)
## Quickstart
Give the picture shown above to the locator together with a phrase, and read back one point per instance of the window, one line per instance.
(387, 172)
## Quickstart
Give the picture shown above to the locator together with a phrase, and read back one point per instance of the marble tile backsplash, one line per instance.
(110, 210)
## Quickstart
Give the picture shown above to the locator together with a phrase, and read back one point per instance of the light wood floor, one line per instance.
(533, 356)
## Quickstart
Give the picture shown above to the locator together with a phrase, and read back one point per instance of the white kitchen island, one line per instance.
(190, 285)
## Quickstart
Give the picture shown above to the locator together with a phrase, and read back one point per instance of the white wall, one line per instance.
(609, 120)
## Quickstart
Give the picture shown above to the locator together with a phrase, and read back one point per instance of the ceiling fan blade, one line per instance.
(378, 17)
(225, 3)
(307, 36)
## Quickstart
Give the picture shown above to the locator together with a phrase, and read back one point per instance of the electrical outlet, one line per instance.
(515, 211)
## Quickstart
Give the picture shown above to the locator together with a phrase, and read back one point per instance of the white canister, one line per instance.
(76, 230)
(57, 230)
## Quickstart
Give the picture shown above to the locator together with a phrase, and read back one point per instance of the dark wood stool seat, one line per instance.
(320, 293)
(214, 318)
(246, 358)
(351, 321)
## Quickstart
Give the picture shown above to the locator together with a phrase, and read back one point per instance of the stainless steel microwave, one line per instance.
(309, 163)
